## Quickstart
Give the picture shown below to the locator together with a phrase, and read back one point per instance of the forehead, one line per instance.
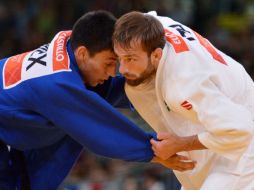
(134, 49)
(106, 54)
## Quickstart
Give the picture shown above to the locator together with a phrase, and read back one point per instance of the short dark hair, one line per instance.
(94, 30)
(139, 27)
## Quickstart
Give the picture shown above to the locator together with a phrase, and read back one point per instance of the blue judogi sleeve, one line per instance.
(53, 163)
(89, 119)
(92, 122)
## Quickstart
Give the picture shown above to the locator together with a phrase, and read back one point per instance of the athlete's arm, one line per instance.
(91, 121)
(169, 144)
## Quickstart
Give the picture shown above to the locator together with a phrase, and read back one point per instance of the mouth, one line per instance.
(130, 77)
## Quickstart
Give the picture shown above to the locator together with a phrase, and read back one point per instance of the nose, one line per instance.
(122, 68)
(111, 72)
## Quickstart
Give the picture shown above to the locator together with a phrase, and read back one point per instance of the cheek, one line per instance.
(93, 67)
(140, 67)
(98, 72)
(91, 71)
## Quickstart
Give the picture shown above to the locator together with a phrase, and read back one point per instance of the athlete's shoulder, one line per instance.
(44, 61)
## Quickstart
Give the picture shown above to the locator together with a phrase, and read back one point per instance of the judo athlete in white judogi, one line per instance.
(199, 100)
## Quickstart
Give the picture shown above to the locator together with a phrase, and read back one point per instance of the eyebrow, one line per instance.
(130, 55)
(112, 58)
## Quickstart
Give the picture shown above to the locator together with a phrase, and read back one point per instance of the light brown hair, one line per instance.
(139, 27)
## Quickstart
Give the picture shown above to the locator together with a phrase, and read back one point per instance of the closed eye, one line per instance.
(110, 64)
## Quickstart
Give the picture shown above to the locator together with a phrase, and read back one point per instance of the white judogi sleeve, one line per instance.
(228, 125)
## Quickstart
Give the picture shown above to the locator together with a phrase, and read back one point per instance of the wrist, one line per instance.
(184, 144)
(191, 143)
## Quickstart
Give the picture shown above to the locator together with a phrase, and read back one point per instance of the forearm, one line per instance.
(176, 162)
(171, 143)
(190, 143)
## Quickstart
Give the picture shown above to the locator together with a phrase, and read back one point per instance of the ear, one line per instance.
(156, 56)
(81, 54)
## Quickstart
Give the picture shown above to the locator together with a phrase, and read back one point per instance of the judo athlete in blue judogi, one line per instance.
(54, 101)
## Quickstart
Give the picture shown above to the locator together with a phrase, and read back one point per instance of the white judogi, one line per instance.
(200, 90)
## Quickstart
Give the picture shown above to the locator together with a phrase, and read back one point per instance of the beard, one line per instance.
(144, 77)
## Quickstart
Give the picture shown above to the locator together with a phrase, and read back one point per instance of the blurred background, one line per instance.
(26, 24)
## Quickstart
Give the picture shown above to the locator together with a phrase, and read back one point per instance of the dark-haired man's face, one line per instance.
(98, 68)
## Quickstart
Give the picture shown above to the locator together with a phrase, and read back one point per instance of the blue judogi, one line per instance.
(52, 117)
